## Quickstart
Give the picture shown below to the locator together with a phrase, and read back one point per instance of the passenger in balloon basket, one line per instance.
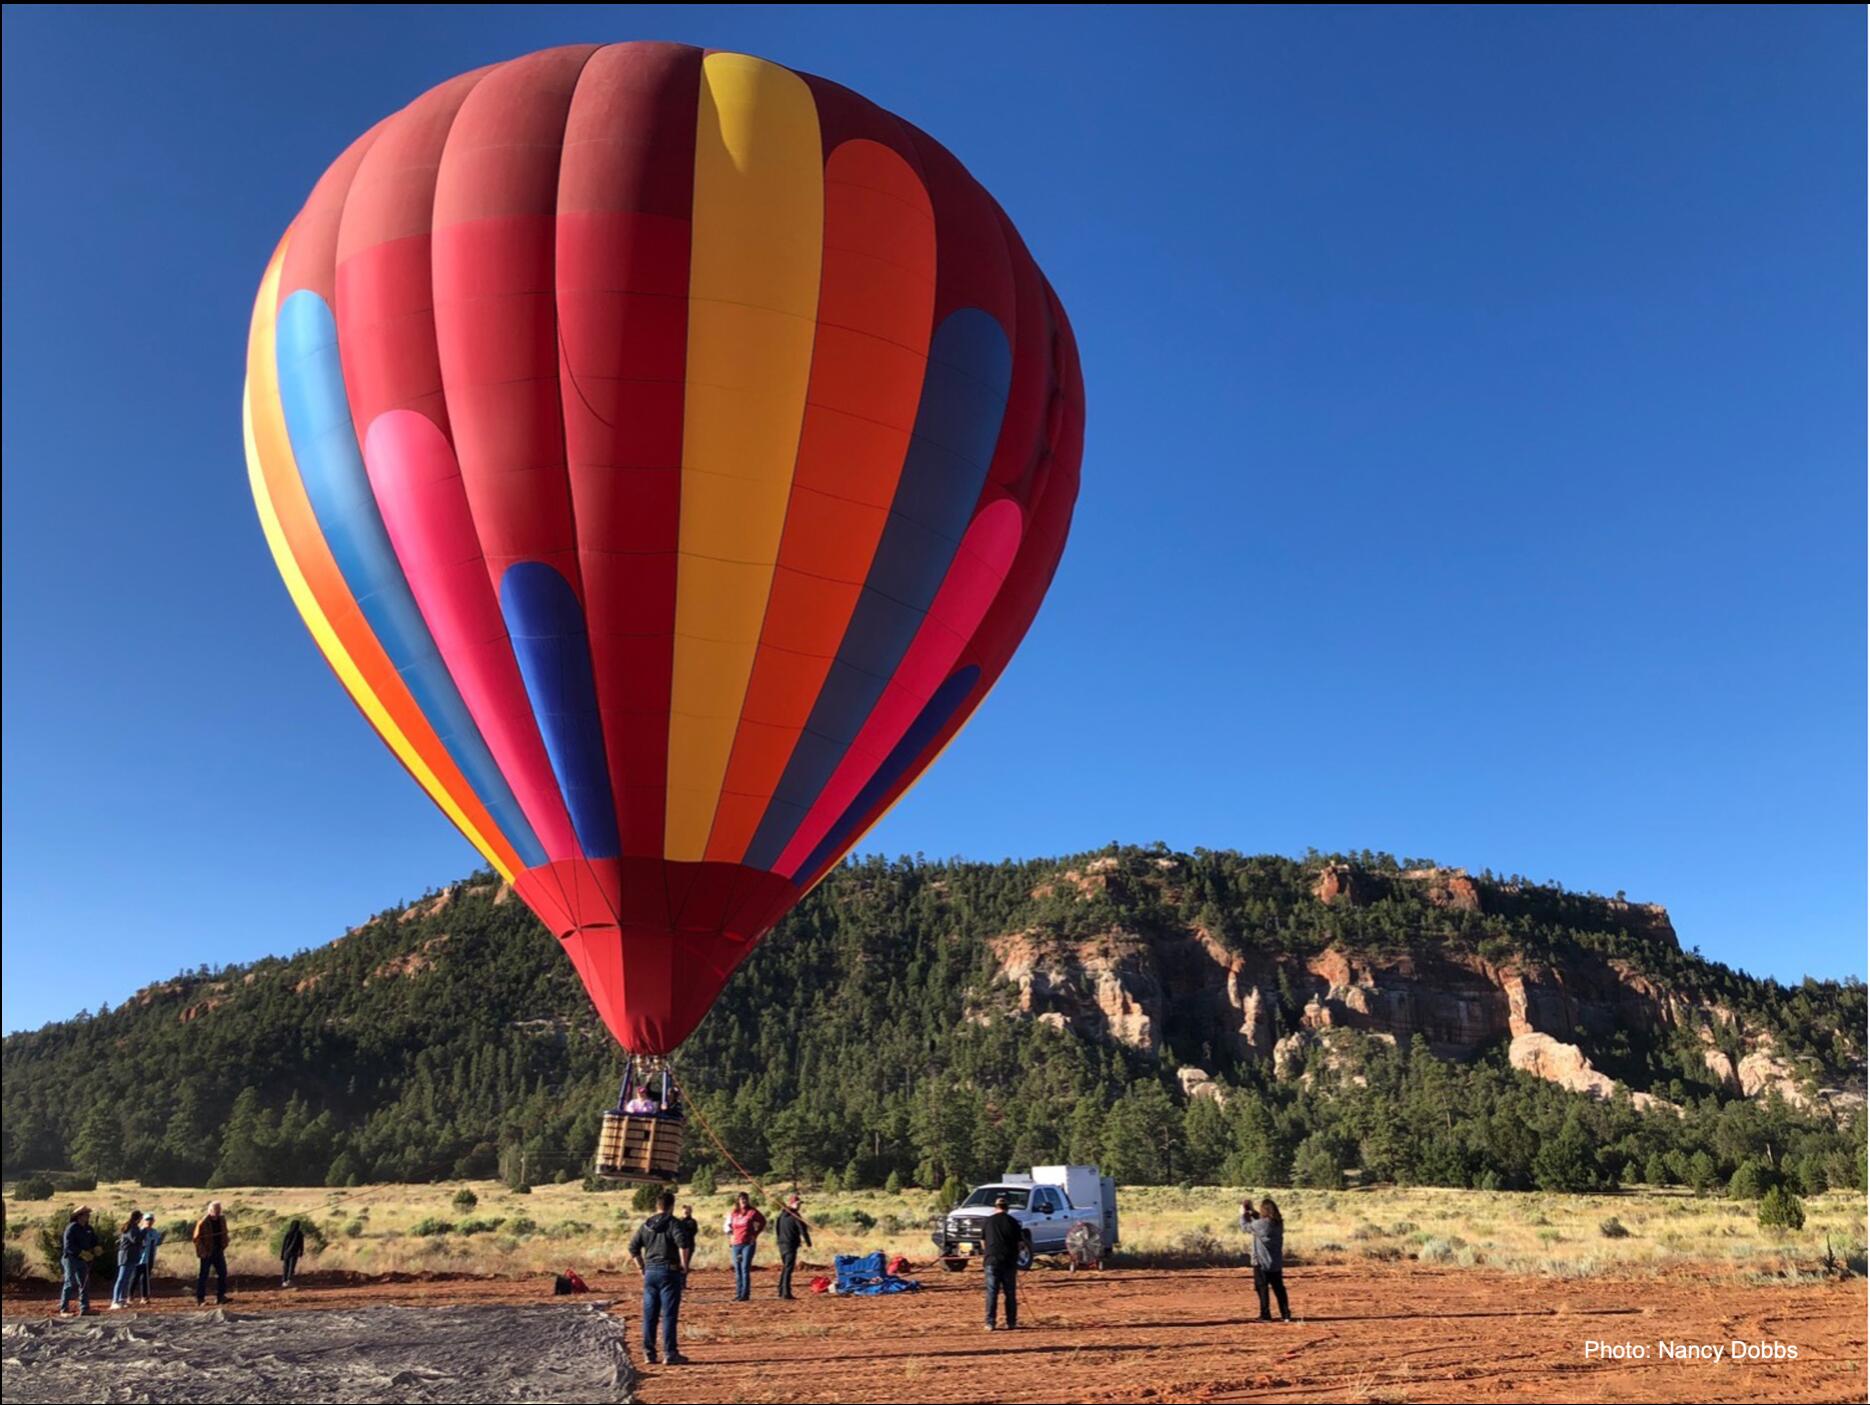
(744, 1226)
(1000, 1240)
(788, 1234)
(661, 1249)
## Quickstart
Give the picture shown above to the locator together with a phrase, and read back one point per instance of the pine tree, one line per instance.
(1208, 1137)
(189, 1148)
(98, 1147)
(1316, 1164)
(1781, 1209)
(1258, 1156)
(1566, 1161)
(343, 1172)
(246, 1145)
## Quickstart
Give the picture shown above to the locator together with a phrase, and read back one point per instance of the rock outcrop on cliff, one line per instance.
(1182, 991)
(1566, 1065)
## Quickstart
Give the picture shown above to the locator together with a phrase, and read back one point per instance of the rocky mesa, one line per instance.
(1180, 991)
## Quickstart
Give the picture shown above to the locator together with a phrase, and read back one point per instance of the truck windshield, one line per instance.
(1015, 1196)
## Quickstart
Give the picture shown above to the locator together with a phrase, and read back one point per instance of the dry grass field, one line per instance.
(1400, 1295)
(385, 1229)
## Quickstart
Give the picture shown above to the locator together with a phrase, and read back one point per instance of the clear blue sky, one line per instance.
(1475, 470)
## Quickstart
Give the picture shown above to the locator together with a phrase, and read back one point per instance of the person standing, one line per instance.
(744, 1225)
(76, 1248)
(1001, 1239)
(290, 1250)
(1268, 1254)
(129, 1255)
(788, 1233)
(661, 1248)
(690, 1230)
(146, 1265)
(211, 1249)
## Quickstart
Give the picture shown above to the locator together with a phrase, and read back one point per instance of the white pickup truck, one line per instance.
(1046, 1203)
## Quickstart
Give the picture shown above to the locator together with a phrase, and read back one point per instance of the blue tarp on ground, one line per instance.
(865, 1275)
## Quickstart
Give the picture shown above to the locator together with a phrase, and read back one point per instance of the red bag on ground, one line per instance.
(899, 1266)
(578, 1285)
(821, 1284)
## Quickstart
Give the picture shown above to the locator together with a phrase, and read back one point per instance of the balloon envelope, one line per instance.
(667, 450)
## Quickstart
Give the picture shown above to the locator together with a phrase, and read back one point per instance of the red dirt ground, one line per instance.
(1383, 1332)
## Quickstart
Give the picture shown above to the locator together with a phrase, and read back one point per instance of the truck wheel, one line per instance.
(1025, 1254)
(954, 1265)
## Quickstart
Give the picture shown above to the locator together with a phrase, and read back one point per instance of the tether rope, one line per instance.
(694, 1111)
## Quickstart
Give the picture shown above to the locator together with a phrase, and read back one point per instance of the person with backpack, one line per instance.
(661, 1249)
(129, 1255)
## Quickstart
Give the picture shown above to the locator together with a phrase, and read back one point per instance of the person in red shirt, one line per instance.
(744, 1224)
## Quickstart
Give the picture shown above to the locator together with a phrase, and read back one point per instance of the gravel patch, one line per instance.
(442, 1354)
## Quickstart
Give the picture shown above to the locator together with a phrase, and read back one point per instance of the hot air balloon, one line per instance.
(667, 450)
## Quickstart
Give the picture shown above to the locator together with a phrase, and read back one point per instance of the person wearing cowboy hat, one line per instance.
(77, 1247)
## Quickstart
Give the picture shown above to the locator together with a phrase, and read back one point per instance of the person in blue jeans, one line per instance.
(661, 1249)
(744, 1225)
(77, 1247)
(129, 1255)
(1001, 1239)
(146, 1266)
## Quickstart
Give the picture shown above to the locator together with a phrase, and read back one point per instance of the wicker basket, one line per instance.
(639, 1147)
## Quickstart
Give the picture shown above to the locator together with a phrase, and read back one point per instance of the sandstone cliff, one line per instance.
(1179, 992)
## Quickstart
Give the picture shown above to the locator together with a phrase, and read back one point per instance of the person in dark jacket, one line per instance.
(1000, 1241)
(1268, 1255)
(146, 1265)
(129, 1255)
(211, 1248)
(77, 1248)
(291, 1248)
(661, 1249)
(787, 1234)
(686, 1222)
